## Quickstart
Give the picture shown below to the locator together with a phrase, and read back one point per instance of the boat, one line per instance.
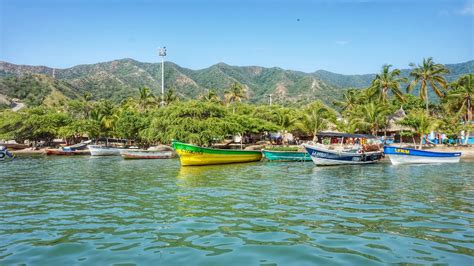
(101, 150)
(344, 148)
(286, 156)
(14, 146)
(66, 152)
(146, 154)
(399, 155)
(195, 155)
(325, 156)
(77, 147)
(5, 154)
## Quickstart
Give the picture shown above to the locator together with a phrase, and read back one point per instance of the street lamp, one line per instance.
(162, 53)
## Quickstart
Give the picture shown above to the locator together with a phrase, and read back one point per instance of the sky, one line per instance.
(342, 36)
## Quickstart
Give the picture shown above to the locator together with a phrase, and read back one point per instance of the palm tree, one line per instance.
(86, 103)
(463, 90)
(350, 99)
(387, 81)
(371, 117)
(346, 125)
(146, 98)
(428, 74)
(315, 119)
(211, 96)
(236, 93)
(285, 119)
(87, 96)
(104, 115)
(420, 122)
(171, 96)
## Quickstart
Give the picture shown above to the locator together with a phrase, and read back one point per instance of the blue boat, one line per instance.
(322, 156)
(286, 156)
(413, 156)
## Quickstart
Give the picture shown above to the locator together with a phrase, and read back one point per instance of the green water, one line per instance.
(68, 211)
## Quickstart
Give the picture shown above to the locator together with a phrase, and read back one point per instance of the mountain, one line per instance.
(118, 79)
(35, 89)
(361, 81)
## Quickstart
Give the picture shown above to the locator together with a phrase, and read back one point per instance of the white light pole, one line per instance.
(270, 95)
(162, 53)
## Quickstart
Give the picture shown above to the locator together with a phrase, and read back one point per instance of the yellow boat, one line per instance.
(195, 155)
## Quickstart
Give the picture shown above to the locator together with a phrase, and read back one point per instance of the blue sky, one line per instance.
(342, 36)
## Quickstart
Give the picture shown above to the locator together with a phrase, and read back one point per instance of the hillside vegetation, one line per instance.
(36, 89)
(119, 79)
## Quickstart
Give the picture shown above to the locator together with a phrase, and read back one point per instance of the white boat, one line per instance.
(100, 150)
(146, 154)
(323, 156)
(413, 156)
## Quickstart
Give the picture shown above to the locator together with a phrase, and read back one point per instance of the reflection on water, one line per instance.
(108, 210)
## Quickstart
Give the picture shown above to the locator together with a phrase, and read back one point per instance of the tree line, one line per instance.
(211, 118)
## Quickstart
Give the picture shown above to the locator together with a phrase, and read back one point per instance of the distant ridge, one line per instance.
(364, 80)
(119, 79)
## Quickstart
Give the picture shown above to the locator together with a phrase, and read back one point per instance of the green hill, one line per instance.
(35, 89)
(119, 79)
(361, 81)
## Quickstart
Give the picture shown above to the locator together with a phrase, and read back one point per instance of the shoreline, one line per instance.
(467, 152)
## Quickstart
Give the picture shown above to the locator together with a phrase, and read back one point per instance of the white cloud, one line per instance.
(468, 9)
(342, 43)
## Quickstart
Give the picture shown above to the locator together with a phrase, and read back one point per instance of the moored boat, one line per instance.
(100, 150)
(286, 156)
(146, 154)
(324, 156)
(195, 155)
(5, 154)
(413, 156)
(66, 152)
(77, 147)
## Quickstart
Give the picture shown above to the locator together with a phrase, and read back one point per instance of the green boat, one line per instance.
(286, 156)
(195, 155)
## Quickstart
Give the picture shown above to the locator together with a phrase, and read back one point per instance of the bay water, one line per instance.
(106, 210)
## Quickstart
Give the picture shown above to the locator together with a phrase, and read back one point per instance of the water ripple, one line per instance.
(107, 210)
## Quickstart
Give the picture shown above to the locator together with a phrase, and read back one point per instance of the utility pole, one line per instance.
(270, 95)
(162, 53)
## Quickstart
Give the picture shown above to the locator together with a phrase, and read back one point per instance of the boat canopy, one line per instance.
(344, 135)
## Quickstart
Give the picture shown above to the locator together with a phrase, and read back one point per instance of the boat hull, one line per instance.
(286, 156)
(194, 155)
(66, 153)
(97, 150)
(412, 156)
(6, 155)
(143, 154)
(324, 157)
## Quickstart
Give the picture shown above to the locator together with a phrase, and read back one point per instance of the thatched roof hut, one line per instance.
(393, 126)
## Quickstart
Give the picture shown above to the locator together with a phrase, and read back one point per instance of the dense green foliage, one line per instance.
(35, 90)
(145, 120)
(142, 119)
